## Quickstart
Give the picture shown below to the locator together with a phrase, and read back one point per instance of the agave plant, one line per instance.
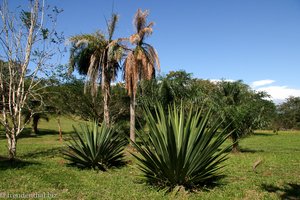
(181, 149)
(96, 147)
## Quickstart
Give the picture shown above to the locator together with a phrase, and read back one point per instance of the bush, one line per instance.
(96, 147)
(180, 148)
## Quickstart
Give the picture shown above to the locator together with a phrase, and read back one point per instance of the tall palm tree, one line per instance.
(98, 58)
(140, 63)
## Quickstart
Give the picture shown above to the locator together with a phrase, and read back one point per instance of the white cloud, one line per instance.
(277, 93)
(280, 93)
(262, 83)
(219, 80)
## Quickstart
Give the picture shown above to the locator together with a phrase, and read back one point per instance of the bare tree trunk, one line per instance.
(132, 117)
(59, 129)
(12, 146)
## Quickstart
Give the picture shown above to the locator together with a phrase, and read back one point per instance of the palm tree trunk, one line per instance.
(59, 129)
(35, 122)
(235, 145)
(132, 117)
(106, 99)
(105, 86)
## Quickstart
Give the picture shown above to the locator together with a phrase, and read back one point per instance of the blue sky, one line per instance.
(252, 40)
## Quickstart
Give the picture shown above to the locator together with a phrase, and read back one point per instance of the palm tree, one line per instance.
(98, 58)
(231, 99)
(140, 63)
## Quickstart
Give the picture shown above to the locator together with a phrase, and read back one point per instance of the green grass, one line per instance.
(44, 170)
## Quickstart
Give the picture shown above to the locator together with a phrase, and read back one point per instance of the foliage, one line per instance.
(180, 148)
(96, 148)
(82, 105)
(176, 87)
(289, 114)
(179, 83)
(245, 110)
(79, 104)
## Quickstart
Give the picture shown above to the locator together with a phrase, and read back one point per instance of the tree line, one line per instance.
(235, 103)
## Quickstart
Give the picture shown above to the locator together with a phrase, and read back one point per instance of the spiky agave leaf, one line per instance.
(181, 149)
(95, 147)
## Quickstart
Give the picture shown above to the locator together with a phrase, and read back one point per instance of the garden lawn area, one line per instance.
(44, 170)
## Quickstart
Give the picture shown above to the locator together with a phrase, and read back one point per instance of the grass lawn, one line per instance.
(44, 171)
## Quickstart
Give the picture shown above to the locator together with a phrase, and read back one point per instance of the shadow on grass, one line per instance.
(264, 134)
(2, 135)
(290, 191)
(244, 150)
(27, 133)
(5, 163)
(54, 152)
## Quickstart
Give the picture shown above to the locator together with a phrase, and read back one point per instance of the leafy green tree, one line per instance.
(140, 63)
(289, 113)
(242, 108)
(179, 83)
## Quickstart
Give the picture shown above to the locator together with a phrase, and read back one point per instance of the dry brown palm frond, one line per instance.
(153, 55)
(130, 73)
(93, 75)
(144, 66)
(140, 19)
(145, 31)
(134, 39)
(150, 25)
(157, 62)
(150, 71)
(139, 55)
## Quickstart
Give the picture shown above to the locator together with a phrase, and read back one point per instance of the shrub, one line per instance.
(181, 149)
(96, 147)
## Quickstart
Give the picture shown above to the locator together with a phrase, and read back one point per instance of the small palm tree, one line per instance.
(140, 63)
(98, 58)
(231, 97)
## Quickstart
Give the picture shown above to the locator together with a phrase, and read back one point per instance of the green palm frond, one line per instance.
(95, 39)
(111, 26)
(181, 148)
(84, 48)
